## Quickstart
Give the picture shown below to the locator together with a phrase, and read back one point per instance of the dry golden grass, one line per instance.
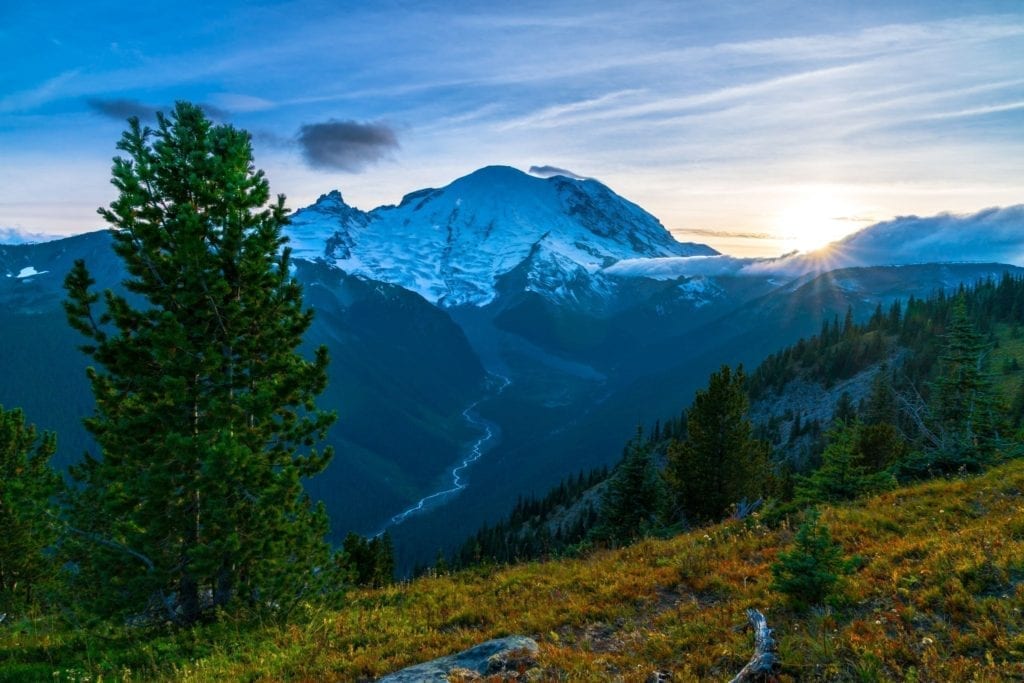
(938, 597)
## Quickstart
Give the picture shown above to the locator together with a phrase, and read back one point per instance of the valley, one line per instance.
(486, 441)
(530, 293)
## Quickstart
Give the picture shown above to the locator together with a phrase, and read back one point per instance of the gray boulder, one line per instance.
(502, 655)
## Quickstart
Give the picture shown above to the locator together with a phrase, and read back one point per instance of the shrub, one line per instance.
(809, 573)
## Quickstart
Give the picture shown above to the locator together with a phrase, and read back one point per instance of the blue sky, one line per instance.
(755, 126)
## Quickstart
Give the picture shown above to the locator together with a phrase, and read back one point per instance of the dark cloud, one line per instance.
(548, 171)
(346, 145)
(214, 112)
(122, 109)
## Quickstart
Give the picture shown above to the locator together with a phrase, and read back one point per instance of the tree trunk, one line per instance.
(765, 665)
(188, 599)
(224, 588)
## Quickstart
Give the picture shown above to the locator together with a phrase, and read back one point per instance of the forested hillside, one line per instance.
(932, 592)
(922, 388)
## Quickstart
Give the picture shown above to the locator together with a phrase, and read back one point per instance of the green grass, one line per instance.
(938, 597)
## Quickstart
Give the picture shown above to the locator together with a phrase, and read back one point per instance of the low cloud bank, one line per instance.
(988, 236)
(17, 236)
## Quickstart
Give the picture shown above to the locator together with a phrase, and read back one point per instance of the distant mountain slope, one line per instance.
(451, 245)
(401, 373)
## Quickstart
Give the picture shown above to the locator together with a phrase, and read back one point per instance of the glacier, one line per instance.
(453, 245)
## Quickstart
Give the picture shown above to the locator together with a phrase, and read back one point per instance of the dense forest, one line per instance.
(946, 395)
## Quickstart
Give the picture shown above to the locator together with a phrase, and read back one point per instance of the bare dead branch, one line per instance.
(765, 665)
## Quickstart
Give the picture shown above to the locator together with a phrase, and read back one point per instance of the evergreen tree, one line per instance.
(720, 463)
(1016, 414)
(966, 418)
(796, 429)
(842, 475)
(27, 528)
(369, 562)
(383, 560)
(881, 405)
(634, 499)
(359, 558)
(845, 412)
(205, 413)
(880, 446)
(810, 572)
(848, 327)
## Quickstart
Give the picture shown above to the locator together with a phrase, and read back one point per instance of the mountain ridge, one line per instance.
(452, 245)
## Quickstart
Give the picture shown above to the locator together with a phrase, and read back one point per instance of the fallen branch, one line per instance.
(745, 508)
(765, 665)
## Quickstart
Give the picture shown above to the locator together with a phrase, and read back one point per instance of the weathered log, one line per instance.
(765, 665)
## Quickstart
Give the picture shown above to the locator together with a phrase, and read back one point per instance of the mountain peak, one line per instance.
(496, 172)
(451, 245)
(332, 197)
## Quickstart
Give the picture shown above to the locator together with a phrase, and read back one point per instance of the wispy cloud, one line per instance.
(739, 234)
(973, 111)
(238, 102)
(546, 171)
(18, 236)
(559, 113)
(44, 92)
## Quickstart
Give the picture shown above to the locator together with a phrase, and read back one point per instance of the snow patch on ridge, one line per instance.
(29, 271)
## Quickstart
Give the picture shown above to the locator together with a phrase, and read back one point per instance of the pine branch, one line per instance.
(96, 538)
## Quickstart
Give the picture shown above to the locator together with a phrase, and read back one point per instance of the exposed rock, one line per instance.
(501, 659)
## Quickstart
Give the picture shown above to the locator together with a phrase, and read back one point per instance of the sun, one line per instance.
(811, 220)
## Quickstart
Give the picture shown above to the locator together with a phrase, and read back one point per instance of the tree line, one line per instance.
(932, 410)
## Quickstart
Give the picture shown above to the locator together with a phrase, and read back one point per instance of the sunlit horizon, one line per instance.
(749, 126)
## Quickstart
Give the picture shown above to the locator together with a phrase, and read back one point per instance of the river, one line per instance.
(457, 482)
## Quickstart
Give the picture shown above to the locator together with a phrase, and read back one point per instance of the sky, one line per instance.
(755, 126)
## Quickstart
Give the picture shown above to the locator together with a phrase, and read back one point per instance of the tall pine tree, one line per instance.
(205, 413)
(843, 474)
(720, 463)
(633, 501)
(966, 416)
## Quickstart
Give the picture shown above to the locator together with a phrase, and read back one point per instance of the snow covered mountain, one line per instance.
(453, 245)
